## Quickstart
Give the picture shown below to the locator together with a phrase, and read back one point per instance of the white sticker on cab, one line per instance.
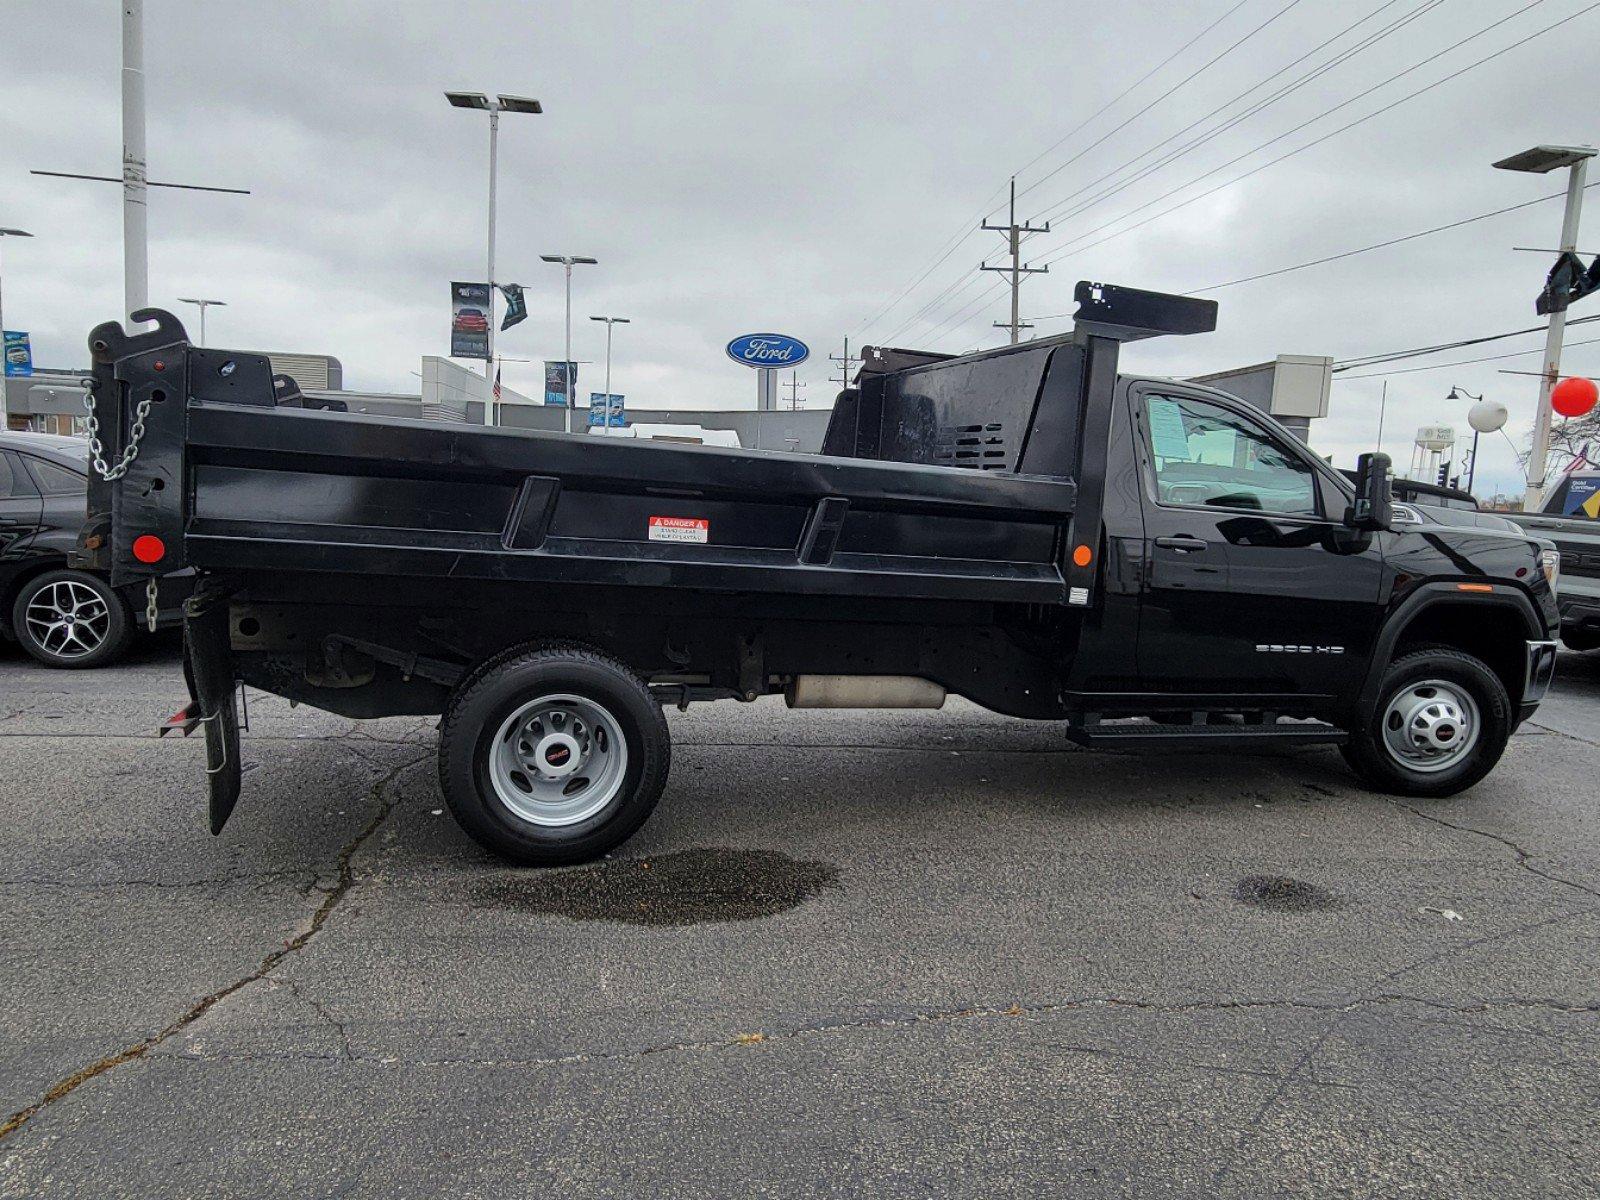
(680, 529)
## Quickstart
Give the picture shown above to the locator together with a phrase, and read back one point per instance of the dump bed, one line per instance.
(226, 480)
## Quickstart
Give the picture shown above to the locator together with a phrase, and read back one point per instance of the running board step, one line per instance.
(1139, 735)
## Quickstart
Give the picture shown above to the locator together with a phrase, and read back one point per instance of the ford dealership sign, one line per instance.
(768, 350)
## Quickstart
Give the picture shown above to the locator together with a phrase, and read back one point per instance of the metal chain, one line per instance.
(97, 451)
(150, 613)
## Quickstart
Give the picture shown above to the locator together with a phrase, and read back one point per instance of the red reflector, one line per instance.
(149, 548)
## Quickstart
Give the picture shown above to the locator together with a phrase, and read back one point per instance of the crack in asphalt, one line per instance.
(331, 901)
(902, 1020)
(1524, 857)
(1340, 1015)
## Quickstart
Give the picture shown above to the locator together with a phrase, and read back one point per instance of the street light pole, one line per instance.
(135, 243)
(610, 321)
(5, 233)
(1457, 393)
(568, 261)
(494, 108)
(1541, 160)
(203, 304)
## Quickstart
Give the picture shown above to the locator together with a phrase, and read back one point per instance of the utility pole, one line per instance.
(1541, 160)
(5, 233)
(845, 360)
(794, 385)
(1013, 235)
(135, 185)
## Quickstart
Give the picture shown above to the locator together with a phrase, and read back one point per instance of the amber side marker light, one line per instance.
(1082, 556)
(1474, 587)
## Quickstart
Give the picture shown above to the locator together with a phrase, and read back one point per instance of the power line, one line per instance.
(1175, 87)
(1410, 237)
(1388, 356)
(966, 231)
(1068, 248)
(1065, 251)
(1254, 109)
(1462, 362)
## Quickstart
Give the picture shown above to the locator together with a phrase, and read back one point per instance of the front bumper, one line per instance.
(1540, 671)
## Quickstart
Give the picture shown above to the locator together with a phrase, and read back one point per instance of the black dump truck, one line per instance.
(1151, 563)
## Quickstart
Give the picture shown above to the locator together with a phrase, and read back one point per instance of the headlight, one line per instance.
(1550, 566)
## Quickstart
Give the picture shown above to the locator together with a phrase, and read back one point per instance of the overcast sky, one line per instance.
(749, 167)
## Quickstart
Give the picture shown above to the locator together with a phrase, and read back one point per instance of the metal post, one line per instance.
(1472, 467)
(606, 428)
(494, 147)
(135, 248)
(1533, 495)
(568, 367)
(203, 308)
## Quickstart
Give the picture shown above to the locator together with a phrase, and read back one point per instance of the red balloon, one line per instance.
(1574, 397)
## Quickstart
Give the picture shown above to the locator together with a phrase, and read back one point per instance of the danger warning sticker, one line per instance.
(680, 529)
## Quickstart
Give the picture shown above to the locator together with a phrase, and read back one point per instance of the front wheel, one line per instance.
(553, 756)
(1440, 724)
(71, 619)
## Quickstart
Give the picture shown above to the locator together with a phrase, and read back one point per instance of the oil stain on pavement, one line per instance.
(688, 887)
(1280, 893)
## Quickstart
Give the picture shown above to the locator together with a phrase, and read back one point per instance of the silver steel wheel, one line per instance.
(558, 760)
(68, 619)
(1431, 726)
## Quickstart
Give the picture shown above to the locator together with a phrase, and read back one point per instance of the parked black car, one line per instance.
(61, 616)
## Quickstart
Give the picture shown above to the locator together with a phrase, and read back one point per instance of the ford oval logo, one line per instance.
(768, 350)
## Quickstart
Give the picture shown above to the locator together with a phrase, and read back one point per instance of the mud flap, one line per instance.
(208, 669)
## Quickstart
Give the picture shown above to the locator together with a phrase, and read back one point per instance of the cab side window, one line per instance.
(1207, 455)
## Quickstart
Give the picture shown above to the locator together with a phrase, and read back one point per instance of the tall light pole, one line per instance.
(1539, 161)
(135, 238)
(5, 233)
(610, 321)
(204, 304)
(569, 261)
(500, 104)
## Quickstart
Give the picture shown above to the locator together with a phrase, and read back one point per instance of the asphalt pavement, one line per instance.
(899, 954)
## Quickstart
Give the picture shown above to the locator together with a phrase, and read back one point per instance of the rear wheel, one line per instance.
(1440, 724)
(71, 619)
(553, 756)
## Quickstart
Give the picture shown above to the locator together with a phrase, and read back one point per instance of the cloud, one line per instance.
(739, 167)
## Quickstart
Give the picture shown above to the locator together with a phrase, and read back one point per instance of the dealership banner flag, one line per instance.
(555, 381)
(469, 320)
(516, 306)
(604, 411)
(19, 353)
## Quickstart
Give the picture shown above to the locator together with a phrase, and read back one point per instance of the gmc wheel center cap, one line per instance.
(557, 754)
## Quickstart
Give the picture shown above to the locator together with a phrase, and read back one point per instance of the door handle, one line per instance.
(1183, 543)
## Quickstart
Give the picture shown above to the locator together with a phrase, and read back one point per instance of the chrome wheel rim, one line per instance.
(558, 760)
(1431, 726)
(67, 619)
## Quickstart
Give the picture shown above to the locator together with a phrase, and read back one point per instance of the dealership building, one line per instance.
(1293, 388)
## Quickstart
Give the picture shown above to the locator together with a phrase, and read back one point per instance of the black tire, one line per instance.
(113, 631)
(492, 695)
(1369, 755)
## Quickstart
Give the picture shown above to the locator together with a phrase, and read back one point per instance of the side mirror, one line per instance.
(1374, 504)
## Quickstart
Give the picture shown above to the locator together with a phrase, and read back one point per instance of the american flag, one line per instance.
(497, 385)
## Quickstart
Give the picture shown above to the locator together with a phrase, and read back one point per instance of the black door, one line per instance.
(1254, 587)
(19, 515)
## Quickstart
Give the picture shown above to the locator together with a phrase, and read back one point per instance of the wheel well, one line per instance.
(1494, 633)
